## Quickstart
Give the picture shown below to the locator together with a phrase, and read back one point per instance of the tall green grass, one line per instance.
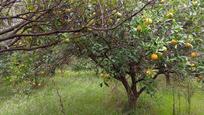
(82, 95)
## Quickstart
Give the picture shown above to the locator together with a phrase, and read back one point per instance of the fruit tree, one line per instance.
(131, 41)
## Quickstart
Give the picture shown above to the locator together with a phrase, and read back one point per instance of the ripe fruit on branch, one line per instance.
(154, 57)
(174, 41)
(188, 45)
(149, 72)
(169, 15)
(194, 54)
(110, 21)
(139, 28)
(162, 1)
(119, 14)
(148, 21)
(192, 65)
(194, 2)
(67, 40)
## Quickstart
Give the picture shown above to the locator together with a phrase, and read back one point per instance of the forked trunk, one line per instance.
(132, 94)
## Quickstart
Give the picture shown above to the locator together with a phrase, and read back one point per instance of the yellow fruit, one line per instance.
(162, 1)
(114, 11)
(192, 65)
(169, 15)
(67, 40)
(165, 49)
(148, 72)
(148, 21)
(185, 6)
(139, 28)
(110, 21)
(188, 45)
(174, 42)
(101, 74)
(154, 57)
(194, 2)
(118, 14)
(20, 43)
(106, 75)
(194, 54)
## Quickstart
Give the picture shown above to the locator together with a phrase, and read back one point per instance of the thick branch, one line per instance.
(41, 34)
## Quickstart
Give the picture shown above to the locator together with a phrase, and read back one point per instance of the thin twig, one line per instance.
(60, 98)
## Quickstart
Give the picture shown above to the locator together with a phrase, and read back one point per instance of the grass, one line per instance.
(82, 95)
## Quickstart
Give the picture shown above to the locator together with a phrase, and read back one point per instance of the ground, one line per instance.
(82, 95)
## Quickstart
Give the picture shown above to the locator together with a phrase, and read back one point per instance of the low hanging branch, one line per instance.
(29, 20)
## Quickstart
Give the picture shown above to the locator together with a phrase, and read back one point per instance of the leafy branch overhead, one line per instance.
(35, 21)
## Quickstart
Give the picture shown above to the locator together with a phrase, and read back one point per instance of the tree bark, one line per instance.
(132, 100)
(132, 94)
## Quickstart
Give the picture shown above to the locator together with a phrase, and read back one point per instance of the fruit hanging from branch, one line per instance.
(154, 57)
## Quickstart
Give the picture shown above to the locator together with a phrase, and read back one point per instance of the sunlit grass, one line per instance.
(82, 95)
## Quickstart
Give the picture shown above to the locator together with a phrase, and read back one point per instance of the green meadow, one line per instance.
(81, 94)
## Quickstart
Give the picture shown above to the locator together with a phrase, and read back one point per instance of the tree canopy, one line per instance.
(131, 41)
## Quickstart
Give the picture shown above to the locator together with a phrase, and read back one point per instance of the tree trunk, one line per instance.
(131, 93)
(132, 101)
